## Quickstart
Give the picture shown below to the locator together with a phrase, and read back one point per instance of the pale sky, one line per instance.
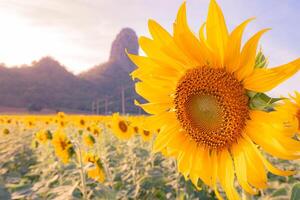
(78, 33)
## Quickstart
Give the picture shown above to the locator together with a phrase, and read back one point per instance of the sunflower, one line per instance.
(290, 109)
(146, 135)
(88, 140)
(96, 130)
(89, 157)
(81, 123)
(197, 90)
(121, 128)
(43, 136)
(63, 146)
(96, 172)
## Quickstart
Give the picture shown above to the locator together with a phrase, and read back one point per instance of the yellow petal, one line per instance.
(232, 53)
(153, 108)
(262, 135)
(202, 166)
(184, 160)
(155, 51)
(241, 167)
(150, 66)
(262, 80)
(153, 93)
(256, 173)
(163, 39)
(165, 135)
(216, 30)
(159, 33)
(248, 55)
(187, 41)
(271, 168)
(160, 120)
(227, 176)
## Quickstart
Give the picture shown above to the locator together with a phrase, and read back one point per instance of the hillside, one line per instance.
(46, 84)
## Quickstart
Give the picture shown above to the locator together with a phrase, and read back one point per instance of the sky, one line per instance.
(78, 33)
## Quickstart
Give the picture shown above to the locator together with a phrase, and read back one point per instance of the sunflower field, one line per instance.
(211, 130)
(98, 157)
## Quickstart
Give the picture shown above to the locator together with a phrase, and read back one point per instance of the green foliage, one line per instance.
(132, 172)
(295, 192)
(261, 101)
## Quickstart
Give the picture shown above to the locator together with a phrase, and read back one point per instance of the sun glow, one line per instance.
(21, 42)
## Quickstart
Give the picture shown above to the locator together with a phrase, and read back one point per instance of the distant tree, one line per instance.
(34, 107)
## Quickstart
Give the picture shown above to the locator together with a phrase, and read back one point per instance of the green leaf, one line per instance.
(279, 192)
(296, 192)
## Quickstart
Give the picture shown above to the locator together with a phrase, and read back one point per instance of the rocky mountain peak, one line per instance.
(126, 39)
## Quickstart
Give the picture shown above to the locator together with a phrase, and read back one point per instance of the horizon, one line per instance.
(81, 39)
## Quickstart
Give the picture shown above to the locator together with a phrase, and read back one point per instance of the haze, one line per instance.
(78, 33)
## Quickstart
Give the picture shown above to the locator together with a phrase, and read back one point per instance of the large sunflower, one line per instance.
(197, 90)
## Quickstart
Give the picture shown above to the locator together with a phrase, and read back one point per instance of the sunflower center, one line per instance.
(211, 106)
(122, 126)
(146, 133)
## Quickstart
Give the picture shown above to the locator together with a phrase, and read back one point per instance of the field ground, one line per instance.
(132, 172)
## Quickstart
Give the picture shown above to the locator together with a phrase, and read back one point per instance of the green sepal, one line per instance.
(261, 101)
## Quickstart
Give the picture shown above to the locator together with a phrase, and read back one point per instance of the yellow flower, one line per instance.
(290, 108)
(62, 146)
(120, 127)
(96, 173)
(62, 123)
(61, 115)
(81, 123)
(197, 93)
(30, 123)
(43, 136)
(90, 158)
(146, 135)
(137, 124)
(96, 130)
(88, 140)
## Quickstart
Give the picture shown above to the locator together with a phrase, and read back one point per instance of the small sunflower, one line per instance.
(121, 128)
(88, 140)
(96, 130)
(43, 136)
(81, 123)
(146, 135)
(90, 158)
(290, 108)
(62, 146)
(96, 172)
(197, 92)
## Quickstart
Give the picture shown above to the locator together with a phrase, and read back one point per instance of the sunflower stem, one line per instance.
(82, 175)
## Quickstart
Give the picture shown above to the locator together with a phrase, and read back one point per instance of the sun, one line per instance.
(197, 91)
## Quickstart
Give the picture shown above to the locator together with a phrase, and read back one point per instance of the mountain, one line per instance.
(113, 76)
(46, 84)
